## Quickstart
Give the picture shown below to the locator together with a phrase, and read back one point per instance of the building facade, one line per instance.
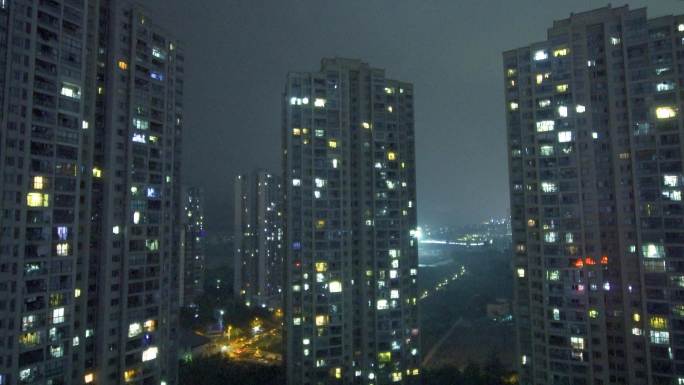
(136, 204)
(258, 258)
(594, 138)
(89, 198)
(350, 220)
(192, 246)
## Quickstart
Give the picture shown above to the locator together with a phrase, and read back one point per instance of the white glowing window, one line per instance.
(659, 337)
(577, 343)
(680, 28)
(615, 40)
(382, 304)
(541, 55)
(580, 109)
(514, 106)
(296, 182)
(665, 86)
(320, 183)
(546, 150)
(62, 249)
(556, 314)
(665, 113)
(521, 272)
(141, 124)
(564, 136)
(652, 250)
(134, 329)
(673, 195)
(71, 91)
(544, 103)
(549, 187)
(563, 111)
(671, 180)
(545, 125)
(551, 237)
(394, 294)
(335, 286)
(150, 353)
(139, 138)
(318, 102)
(136, 217)
(58, 315)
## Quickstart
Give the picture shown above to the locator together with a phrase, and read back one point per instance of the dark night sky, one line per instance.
(238, 53)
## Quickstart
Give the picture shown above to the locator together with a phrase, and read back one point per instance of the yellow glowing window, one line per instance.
(296, 131)
(77, 293)
(322, 320)
(97, 173)
(561, 52)
(88, 378)
(562, 88)
(396, 376)
(123, 65)
(37, 200)
(636, 317)
(332, 144)
(150, 325)
(385, 356)
(38, 182)
(320, 223)
(389, 91)
(593, 313)
(658, 323)
(665, 112)
(510, 72)
(321, 267)
(130, 374)
(540, 78)
(391, 155)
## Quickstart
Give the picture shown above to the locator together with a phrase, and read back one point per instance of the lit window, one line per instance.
(88, 378)
(136, 217)
(593, 313)
(390, 109)
(77, 293)
(665, 112)
(549, 187)
(62, 249)
(150, 353)
(577, 343)
(563, 111)
(562, 87)
(58, 315)
(546, 150)
(391, 155)
(322, 320)
(514, 106)
(116, 230)
(38, 182)
(134, 329)
(321, 267)
(521, 272)
(564, 136)
(332, 144)
(510, 72)
(580, 109)
(541, 55)
(659, 337)
(561, 52)
(84, 125)
(366, 125)
(680, 28)
(158, 53)
(150, 325)
(389, 91)
(141, 124)
(615, 40)
(319, 102)
(539, 78)
(637, 331)
(71, 91)
(665, 86)
(97, 173)
(123, 65)
(545, 125)
(544, 103)
(37, 200)
(658, 323)
(652, 250)
(296, 182)
(335, 286)
(382, 304)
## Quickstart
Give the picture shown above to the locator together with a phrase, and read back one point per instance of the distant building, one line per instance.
(192, 246)
(595, 139)
(258, 259)
(350, 206)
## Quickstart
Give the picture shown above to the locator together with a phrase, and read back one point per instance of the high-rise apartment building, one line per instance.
(136, 197)
(350, 209)
(90, 140)
(45, 190)
(596, 175)
(258, 258)
(192, 246)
